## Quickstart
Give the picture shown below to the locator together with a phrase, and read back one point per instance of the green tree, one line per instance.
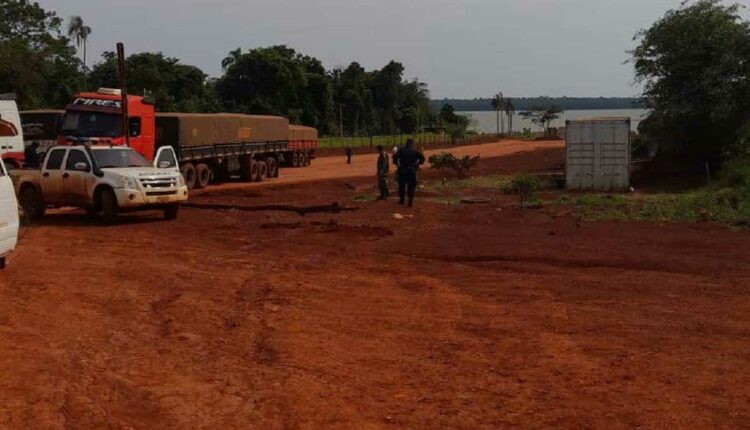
(78, 30)
(175, 86)
(510, 110)
(542, 116)
(695, 68)
(497, 105)
(231, 58)
(386, 85)
(277, 81)
(36, 61)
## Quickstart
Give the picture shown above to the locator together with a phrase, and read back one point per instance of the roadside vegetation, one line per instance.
(726, 201)
(42, 65)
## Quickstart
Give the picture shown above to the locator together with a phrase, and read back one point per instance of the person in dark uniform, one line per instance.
(408, 161)
(31, 156)
(349, 152)
(384, 165)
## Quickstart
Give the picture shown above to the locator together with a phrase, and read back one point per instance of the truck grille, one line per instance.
(160, 193)
(151, 183)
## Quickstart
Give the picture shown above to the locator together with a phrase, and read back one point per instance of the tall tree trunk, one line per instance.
(498, 121)
(502, 124)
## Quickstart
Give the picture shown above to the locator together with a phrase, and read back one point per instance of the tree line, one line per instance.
(38, 62)
(528, 103)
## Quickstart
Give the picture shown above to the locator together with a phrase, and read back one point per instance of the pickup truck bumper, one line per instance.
(134, 199)
(7, 245)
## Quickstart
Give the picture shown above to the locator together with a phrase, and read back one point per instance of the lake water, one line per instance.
(486, 122)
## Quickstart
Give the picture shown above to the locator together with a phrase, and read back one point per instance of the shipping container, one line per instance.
(598, 154)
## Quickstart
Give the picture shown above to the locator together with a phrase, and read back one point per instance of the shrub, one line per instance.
(445, 162)
(526, 187)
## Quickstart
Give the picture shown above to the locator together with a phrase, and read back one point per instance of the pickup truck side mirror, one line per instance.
(165, 165)
(82, 167)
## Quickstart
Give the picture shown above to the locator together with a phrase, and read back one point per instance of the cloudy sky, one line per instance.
(461, 48)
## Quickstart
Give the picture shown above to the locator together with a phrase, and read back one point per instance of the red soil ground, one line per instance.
(464, 317)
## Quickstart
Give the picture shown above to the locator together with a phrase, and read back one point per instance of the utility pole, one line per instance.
(123, 91)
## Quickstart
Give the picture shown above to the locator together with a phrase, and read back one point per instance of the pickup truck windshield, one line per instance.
(91, 124)
(114, 158)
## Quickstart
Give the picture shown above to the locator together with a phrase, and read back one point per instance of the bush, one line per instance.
(526, 187)
(445, 161)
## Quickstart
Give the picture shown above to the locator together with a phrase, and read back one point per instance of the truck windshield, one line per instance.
(91, 124)
(113, 157)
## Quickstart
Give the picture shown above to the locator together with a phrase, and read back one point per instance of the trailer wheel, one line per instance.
(202, 175)
(254, 170)
(32, 202)
(188, 173)
(109, 207)
(272, 167)
(262, 171)
(307, 158)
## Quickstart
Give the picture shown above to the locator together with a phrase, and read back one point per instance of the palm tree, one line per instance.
(510, 109)
(81, 32)
(497, 105)
(232, 58)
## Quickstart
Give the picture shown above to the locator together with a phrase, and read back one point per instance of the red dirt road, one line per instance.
(364, 165)
(463, 317)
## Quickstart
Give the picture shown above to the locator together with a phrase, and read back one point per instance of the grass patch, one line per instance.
(494, 182)
(724, 205)
(364, 198)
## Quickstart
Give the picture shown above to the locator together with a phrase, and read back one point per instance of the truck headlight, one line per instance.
(129, 183)
(180, 181)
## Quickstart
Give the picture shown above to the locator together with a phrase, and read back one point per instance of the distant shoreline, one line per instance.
(525, 103)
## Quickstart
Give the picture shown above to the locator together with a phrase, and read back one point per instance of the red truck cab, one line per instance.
(98, 116)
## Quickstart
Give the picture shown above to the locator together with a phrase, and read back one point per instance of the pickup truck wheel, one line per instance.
(109, 207)
(2, 263)
(32, 202)
(188, 173)
(170, 212)
(272, 167)
(202, 176)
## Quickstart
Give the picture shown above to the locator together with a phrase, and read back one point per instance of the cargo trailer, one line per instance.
(210, 147)
(598, 154)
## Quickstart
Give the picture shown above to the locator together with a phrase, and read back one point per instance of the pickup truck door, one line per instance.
(166, 158)
(8, 213)
(51, 180)
(75, 178)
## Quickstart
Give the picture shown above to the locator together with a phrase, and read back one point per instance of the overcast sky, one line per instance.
(461, 48)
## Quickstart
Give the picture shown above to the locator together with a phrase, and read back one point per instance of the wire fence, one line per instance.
(389, 141)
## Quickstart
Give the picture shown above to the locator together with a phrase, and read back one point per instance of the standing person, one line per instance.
(349, 152)
(383, 169)
(31, 155)
(408, 161)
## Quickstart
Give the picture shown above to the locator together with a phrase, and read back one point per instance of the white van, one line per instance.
(11, 147)
(8, 206)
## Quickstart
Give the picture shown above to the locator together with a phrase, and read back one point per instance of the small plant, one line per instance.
(445, 162)
(526, 187)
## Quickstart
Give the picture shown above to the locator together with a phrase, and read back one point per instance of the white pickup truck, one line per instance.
(8, 203)
(8, 215)
(106, 179)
